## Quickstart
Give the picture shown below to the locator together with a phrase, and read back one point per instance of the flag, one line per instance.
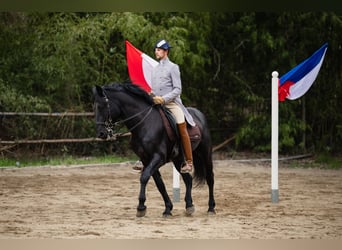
(139, 66)
(298, 80)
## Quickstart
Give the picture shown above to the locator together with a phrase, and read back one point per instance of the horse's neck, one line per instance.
(131, 107)
(133, 110)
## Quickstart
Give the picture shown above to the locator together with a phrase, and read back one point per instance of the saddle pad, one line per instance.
(172, 130)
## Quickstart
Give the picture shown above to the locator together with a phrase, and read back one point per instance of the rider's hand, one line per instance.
(158, 100)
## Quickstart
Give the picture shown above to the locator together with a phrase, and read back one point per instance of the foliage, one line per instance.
(50, 61)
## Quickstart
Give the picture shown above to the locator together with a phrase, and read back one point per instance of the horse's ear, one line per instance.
(97, 90)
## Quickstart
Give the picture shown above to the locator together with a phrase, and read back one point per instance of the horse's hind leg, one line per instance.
(187, 178)
(204, 167)
(210, 183)
(189, 206)
(161, 187)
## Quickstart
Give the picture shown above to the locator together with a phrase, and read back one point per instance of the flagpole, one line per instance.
(274, 139)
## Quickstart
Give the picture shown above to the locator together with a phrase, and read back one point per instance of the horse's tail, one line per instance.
(203, 168)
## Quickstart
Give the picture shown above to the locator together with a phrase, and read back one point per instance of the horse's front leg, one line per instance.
(144, 178)
(161, 187)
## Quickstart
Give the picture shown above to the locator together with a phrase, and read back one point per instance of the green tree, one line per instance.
(50, 62)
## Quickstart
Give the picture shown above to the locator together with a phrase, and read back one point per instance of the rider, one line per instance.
(167, 88)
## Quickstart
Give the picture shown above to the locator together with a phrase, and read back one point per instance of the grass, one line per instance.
(66, 160)
(331, 162)
(321, 160)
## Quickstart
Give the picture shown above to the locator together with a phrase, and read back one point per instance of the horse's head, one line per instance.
(127, 101)
(106, 112)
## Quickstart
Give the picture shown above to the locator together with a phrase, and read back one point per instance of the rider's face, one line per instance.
(160, 53)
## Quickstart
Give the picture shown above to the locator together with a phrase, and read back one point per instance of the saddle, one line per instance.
(172, 129)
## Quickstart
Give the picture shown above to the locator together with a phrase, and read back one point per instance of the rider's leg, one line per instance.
(183, 132)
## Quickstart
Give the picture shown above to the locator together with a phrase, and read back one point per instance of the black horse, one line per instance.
(128, 104)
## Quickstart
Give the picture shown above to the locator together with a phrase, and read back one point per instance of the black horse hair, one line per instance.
(132, 89)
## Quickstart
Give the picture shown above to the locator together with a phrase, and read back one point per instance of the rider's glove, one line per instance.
(158, 100)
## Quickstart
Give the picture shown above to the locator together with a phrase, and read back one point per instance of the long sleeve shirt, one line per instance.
(166, 82)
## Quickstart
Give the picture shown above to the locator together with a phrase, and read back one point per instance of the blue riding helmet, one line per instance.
(162, 44)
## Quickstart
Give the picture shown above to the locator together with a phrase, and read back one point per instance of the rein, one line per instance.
(149, 108)
(110, 125)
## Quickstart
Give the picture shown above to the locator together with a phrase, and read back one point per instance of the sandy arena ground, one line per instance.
(100, 201)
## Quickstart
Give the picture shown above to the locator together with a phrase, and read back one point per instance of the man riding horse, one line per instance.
(166, 90)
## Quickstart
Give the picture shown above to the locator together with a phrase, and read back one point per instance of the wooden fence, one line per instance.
(55, 114)
(71, 140)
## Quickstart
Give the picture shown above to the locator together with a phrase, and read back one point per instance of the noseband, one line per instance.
(109, 125)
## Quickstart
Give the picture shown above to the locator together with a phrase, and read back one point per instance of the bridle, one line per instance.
(110, 126)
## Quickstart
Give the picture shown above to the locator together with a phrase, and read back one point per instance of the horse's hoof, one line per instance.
(167, 215)
(211, 212)
(190, 210)
(141, 213)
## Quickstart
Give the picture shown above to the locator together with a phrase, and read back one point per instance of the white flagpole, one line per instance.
(275, 135)
(176, 185)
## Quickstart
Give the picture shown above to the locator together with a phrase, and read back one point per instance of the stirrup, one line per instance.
(186, 168)
(138, 166)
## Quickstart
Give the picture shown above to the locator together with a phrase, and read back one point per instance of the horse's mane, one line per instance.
(132, 89)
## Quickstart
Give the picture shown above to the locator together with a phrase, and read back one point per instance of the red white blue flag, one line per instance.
(140, 66)
(298, 80)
